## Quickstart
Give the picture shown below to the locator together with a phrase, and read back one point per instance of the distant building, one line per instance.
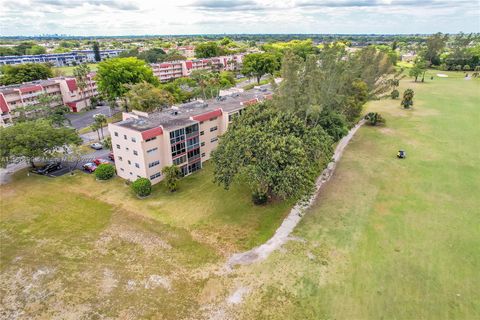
(183, 68)
(184, 135)
(63, 90)
(60, 59)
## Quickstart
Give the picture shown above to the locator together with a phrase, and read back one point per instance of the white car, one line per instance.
(96, 146)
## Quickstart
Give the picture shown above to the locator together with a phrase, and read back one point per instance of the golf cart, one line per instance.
(401, 154)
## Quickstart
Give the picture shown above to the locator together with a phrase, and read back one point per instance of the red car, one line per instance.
(111, 157)
(100, 161)
(89, 167)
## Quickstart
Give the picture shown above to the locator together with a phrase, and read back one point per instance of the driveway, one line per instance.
(85, 118)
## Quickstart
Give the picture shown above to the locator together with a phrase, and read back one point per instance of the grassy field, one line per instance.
(73, 247)
(68, 71)
(389, 238)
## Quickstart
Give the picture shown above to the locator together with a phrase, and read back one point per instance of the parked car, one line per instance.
(111, 156)
(49, 167)
(96, 146)
(89, 167)
(99, 161)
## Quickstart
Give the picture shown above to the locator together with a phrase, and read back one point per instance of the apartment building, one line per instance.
(63, 91)
(184, 135)
(60, 59)
(183, 68)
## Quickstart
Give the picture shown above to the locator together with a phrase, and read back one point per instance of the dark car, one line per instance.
(89, 167)
(111, 156)
(49, 167)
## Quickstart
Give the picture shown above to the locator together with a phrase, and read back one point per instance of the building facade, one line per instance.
(183, 68)
(60, 59)
(62, 91)
(184, 135)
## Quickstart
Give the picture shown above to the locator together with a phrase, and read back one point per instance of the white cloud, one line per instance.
(130, 17)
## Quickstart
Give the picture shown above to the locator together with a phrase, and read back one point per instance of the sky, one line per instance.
(149, 17)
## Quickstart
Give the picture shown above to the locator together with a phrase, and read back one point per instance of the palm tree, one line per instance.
(100, 120)
(95, 127)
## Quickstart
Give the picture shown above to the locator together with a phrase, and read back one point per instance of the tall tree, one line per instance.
(34, 139)
(172, 174)
(115, 75)
(81, 73)
(259, 64)
(434, 47)
(101, 121)
(15, 74)
(419, 69)
(96, 52)
(274, 152)
(208, 50)
(145, 97)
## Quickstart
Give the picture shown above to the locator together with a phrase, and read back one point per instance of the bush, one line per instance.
(334, 124)
(407, 101)
(105, 171)
(142, 187)
(375, 119)
(259, 198)
(395, 94)
(466, 68)
(458, 67)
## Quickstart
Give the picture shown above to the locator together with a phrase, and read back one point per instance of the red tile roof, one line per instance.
(33, 88)
(71, 84)
(150, 133)
(249, 102)
(3, 104)
(205, 116)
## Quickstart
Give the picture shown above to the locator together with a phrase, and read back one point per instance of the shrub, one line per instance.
(142, 187)
(443, 67)
(105, 171)
(172, 174)
(334, 124)
(375, 118)
(466, 68)
(395, 94)
(259, 198)
(407, 101)
(458, 67)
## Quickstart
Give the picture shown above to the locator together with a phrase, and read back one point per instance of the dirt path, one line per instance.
(283, 232)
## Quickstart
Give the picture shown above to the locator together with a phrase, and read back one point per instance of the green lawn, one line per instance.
(68, 71)
(74, 247)
(389, 238)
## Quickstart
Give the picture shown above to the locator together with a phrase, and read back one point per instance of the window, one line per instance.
(179, 160)
(116, 134)
(137, 165)
(122, 169)
(155, 176)
(202, 133)
(213, 129)
(129, 162)
(178, 148)
(127, 148)
(201, 122)
(152, 150)
(125, 136)
(177, 135)
(214, 139)
(202, 144)
(203, 154)
(153, 164)
(191, 129)
(213, 119)
(135, 152)
(193, 153)
(118, 146)
(134, 140)
(150, 139)
(120, 158)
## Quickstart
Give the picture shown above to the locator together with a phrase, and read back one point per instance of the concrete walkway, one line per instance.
(283, 232)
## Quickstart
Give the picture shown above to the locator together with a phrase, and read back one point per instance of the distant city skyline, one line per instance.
(125, 17)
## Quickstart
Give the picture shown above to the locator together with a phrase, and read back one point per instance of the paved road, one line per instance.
(85, 118)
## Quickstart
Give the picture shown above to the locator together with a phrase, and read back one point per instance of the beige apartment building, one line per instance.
(63, 90)
(184, 135)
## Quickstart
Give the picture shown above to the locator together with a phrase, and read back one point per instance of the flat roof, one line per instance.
(178, 116)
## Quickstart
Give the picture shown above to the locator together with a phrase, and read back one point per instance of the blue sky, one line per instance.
(136, 17)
